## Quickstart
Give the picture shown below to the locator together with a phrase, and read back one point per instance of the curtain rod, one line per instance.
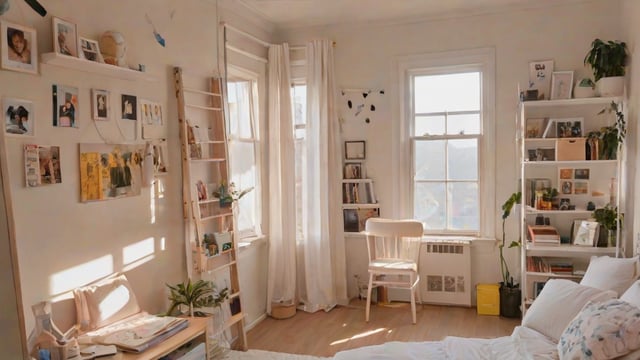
(260, 41)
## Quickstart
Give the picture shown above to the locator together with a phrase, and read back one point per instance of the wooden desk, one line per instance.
(197, 327)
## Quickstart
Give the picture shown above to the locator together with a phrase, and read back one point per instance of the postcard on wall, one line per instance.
(42, 165)
(129, 107)
(151, 117)
(540, 78)
(65, 105)
(19, 117)
(110, 171)
(20, 51)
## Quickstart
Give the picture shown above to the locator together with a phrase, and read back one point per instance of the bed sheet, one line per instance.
(524, 343)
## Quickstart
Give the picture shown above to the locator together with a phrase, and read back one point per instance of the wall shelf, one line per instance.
(78, 64)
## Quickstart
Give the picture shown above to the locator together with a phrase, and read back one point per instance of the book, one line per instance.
(543, 234)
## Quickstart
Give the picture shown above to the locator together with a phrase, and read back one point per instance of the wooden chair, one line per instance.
(393, 247)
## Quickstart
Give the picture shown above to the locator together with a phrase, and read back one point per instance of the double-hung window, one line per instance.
(244, 149)
(449, 125)
(299, 110)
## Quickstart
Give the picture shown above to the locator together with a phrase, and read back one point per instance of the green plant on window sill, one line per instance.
(228, 194)
(507, 279)
(198, 295)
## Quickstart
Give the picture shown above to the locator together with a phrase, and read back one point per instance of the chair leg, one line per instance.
(368, 307)
(418, 291)
(413, 299)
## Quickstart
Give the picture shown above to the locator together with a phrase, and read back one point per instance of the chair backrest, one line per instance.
(387, 238)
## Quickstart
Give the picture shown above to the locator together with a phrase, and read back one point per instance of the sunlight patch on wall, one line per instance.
(152, 203)
(140, 250)
(163, 244)
(358, 336)
(80, 275)
(114, 302)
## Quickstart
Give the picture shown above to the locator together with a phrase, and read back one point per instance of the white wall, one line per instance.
(61, 242)
(364, 58)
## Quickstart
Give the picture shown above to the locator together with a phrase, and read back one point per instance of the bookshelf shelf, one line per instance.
(78, 64)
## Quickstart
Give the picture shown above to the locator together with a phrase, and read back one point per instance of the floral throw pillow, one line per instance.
(602, 330)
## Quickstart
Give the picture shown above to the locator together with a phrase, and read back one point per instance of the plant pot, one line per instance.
(610, 86)
(580, 92)
(510, 298)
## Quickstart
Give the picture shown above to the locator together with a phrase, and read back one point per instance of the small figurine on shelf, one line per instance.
(228, 194)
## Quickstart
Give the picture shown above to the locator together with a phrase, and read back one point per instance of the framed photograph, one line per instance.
(585, 232)
(561, 85)
(90, 50)
(566, 187)
(353, 170)
(19, 117)
(129, 107)
(580, 187)
(535, 127)
(65, 37)
(65, 105)
(569, 127)
(354, 150)
(19, 50)
(540, 78)
(100, 100)
(42, 165)
(582, 174)
(566, 174)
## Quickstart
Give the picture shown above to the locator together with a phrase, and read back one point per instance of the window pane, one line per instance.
(430, 205)
(462, 159)
(463, 206)
(429, 160)
(299, 104)
(448, 92)
(429, 125)
(244, 175)
(238, 93)
(467, 124)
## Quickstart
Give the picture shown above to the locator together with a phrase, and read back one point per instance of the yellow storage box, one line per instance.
(488, 299)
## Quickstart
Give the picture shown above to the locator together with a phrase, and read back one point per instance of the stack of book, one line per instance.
(561, 268)
(543, 235)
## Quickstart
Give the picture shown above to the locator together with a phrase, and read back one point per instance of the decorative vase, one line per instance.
(580, 92)
(611, 238)
(610, 86)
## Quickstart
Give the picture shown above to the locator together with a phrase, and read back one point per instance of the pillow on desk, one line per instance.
(105, 303)
(607, 273)
(558, 303)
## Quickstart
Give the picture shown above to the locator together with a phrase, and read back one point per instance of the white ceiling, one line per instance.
(303, 13)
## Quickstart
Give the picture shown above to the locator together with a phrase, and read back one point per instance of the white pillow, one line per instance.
(105, 303)
(558, 303)
(632, 295)
(607, 273)
(602, 330)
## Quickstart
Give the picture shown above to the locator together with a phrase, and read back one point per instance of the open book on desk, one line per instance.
(139, 332)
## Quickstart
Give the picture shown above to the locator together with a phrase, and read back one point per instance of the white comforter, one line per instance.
(524, 343)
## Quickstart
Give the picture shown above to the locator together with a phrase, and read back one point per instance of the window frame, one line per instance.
(239, 74)
(481, 60)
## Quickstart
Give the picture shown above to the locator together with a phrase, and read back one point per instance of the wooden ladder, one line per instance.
(205, 167)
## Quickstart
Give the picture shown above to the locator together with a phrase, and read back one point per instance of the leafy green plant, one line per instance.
(587, 82)
(607, 217)
(607, 58)
(201, 294)
(611, 137)
(549, 194)
(507, 279)
(229, 194)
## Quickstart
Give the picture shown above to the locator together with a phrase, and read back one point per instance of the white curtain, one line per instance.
(321, 262)
(282, 225)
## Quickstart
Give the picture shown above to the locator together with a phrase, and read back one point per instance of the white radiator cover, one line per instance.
(445, 273)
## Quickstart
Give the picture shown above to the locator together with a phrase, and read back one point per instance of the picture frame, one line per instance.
(540, 78)
(581, 174)
(18, 48)
(89, 50)
(534, 128)
(561, 85)
(569, 127)
(65, 105)
(353, 170)
(585, 232)
(129, 107)
(19, 117)
(100, 105)
(65, 37)
(354, 150)
(42, 165)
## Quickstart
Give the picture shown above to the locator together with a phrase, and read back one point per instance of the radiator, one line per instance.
(445, 272)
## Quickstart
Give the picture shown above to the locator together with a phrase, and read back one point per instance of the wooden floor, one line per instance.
(324, 334)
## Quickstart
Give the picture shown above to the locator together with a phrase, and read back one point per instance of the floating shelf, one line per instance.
(78, 64)
(568, 162)
(577, 102)
(564, 250)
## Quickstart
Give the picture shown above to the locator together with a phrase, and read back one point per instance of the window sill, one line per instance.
(249, 241)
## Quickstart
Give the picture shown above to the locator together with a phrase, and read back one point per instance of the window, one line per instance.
(448, 125)
(299, 109)
(244, 146)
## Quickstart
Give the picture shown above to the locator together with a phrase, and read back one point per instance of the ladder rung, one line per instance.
(208, 142)
(210, 108)
(192, 90)
(222, 266)
(215, 216)
(209, 160)
(208, 201)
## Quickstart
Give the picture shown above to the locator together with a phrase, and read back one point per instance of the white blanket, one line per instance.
(524, 343)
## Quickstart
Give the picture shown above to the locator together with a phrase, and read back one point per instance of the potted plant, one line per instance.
(609, 138)
(608, 219)
(584, 88)
(198, 295)
(228, 194)
(510, 295)
(607, 60)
